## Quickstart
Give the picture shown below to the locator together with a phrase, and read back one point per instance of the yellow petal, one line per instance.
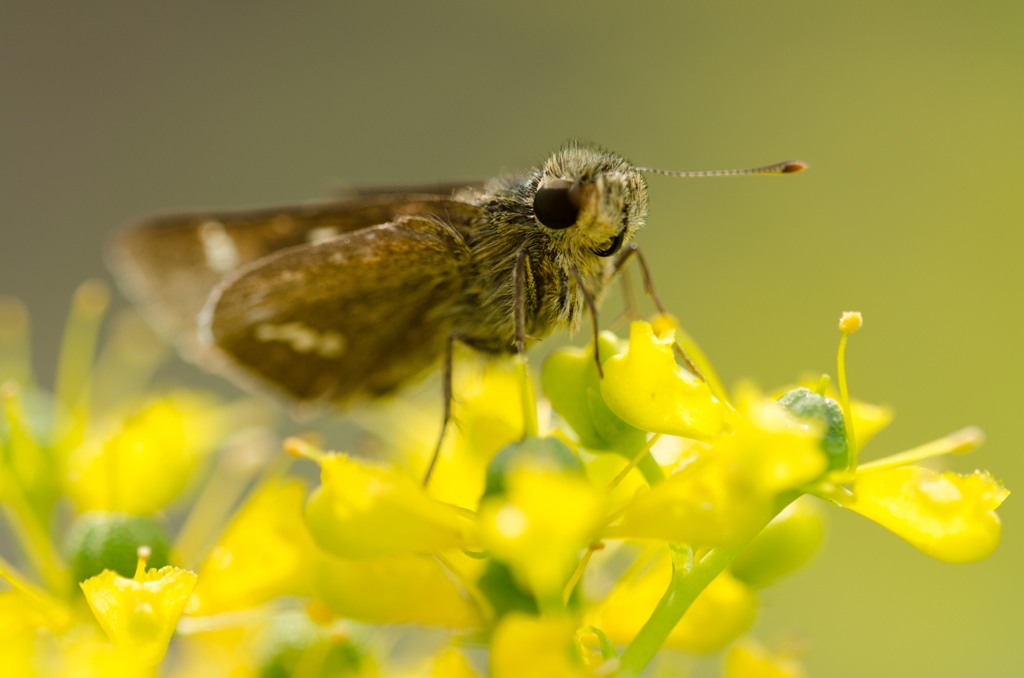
(539, 525)
(646, 388)
(139, 615)
(719, 615)
(265, 552)
(537, 647)
(724, 496)
(371, 511)
(412, 589)
(947, 516)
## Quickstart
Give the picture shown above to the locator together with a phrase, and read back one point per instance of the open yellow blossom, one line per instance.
(140, 614)
(730, 491)
(647, 389)
(539, 647)
(539, 524)
(948, 516)
(719, 615)
(265, 552)
(145, 463)
(410, 589)
(364, 510)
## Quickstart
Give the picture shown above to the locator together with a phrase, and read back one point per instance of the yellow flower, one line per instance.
(947, 516)
(538, 647)
(750, 660)
(573, 386)
(539, 524)
(363, 510)
(145, 464)
(265, 552)
(140, 614)
(411, 589)
(719, 615)
(730, 490)
(646, 388)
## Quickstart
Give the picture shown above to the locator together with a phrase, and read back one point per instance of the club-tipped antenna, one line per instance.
(788, 167)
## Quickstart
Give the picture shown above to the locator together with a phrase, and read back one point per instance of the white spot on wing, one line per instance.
(302, 338)
(218, 247)
(322, 234)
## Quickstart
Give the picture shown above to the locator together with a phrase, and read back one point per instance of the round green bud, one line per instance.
(784, 545)
(104, 540)
(288, 639)
(806, 404)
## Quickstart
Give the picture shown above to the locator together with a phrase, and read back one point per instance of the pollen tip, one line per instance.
(794, 166)
(850, 322)
(968, 439)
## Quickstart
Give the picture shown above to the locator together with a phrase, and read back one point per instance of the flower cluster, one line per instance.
(575, 535)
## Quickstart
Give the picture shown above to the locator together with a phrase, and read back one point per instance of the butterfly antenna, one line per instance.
(788, 167)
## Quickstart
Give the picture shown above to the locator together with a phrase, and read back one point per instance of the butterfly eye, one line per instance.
(557, 204)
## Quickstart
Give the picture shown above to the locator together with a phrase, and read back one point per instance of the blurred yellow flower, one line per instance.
(749, 660)
(719, 615)
(410, 589)
(539, 524)
(145, 463)
(724, 496)
(948, 516)
(647, 389)
(538, 647)
(140, 614)
(265, 552)
(364, 510)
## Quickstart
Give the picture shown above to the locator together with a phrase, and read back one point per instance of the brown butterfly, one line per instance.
(354, 298)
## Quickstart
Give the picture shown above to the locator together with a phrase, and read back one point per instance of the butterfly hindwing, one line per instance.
(352, 316)
(168, 265)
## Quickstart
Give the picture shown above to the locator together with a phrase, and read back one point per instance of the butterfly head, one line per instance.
(590, 200)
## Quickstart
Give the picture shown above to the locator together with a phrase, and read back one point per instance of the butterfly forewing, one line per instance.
(353, 316)
(168, 265)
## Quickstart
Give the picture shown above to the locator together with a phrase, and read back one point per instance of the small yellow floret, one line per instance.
(364, 510)
(850, 322)
(140, 614)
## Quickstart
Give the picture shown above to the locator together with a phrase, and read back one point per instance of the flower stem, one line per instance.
(689, 579)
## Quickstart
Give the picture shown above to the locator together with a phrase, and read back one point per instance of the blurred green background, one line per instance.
(910, 115)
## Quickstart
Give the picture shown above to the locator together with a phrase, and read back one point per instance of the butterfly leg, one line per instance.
(446, 385)
(620, 263)
(588, 298)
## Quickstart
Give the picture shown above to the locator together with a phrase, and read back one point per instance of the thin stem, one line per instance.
(844, 395)
(528, 400)
(686, 584)
(580, 569)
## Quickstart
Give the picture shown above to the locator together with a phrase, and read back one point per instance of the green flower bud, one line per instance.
(103, 540)
(806, 404)
(571, 383)
(787, 543)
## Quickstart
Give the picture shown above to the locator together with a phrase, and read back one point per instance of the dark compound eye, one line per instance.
(557, 204)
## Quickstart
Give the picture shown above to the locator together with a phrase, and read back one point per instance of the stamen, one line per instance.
(302, 449)
(959, 442)
(644, 451)
(15, 348)
(580, 569)
(143, 553)
(74, 369)
(822, 388)
(850, 322)
(527, 398)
